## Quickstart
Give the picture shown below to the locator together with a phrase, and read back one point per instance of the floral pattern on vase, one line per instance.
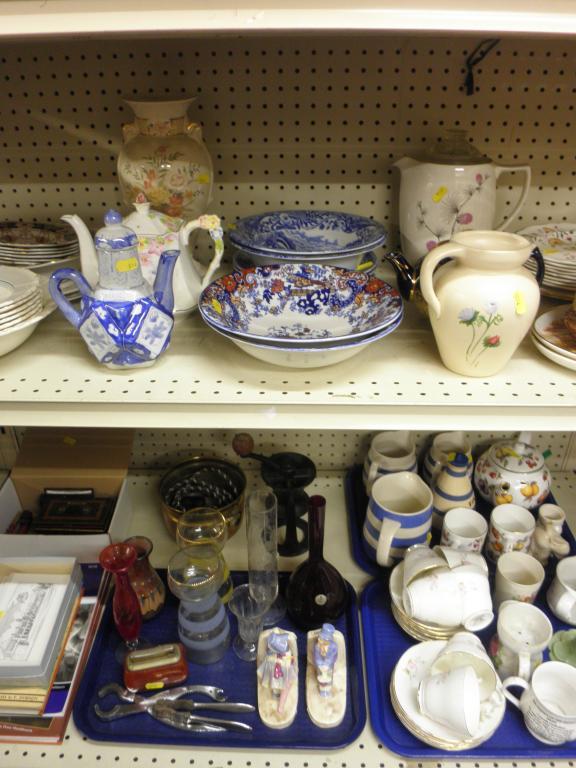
(165, 159)
(482, 322)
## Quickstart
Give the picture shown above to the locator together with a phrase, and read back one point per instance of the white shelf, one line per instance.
(26, 18)
(366, 751)
(204, 381)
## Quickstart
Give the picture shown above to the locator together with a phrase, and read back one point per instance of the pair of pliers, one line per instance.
(168, 707)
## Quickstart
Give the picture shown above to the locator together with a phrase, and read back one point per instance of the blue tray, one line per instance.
(385, 642)
(238, 678)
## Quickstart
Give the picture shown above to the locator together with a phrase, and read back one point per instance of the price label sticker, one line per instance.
(126, 265)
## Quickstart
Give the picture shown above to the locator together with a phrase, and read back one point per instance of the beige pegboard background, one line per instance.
(309, 121)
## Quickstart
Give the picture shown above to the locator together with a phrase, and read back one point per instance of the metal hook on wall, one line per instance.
(480, 52)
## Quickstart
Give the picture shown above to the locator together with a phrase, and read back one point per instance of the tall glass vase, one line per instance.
(148, 586)
(165, 159)
(118, 559)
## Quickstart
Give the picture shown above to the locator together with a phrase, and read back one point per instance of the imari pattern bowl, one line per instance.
(296, 304)
(307, 233)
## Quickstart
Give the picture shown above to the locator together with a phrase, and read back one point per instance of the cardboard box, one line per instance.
(67, 458)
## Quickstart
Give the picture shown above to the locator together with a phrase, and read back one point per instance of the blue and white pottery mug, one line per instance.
(399, 515)
(389, 452)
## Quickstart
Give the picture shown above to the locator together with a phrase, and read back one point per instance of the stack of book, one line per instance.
(47, 626)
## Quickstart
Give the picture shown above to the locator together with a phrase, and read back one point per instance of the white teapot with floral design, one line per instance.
(450, 189)
(156, 233)
(483, 301)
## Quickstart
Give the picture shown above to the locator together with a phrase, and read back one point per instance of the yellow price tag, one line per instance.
(152, 686)
(126, 265)
(69, 440)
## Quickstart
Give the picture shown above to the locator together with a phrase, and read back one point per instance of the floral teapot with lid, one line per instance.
(156, 232)
(449, 189)
(124, 322)
(513, 472)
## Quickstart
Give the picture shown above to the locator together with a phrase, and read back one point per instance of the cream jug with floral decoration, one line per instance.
(447, 190)
(164, 158)
(483, 301)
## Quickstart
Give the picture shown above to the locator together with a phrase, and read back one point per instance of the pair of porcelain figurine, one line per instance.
(277, 671)
(136, 274)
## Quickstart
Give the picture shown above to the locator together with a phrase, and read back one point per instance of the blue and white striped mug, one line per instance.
(399, 515)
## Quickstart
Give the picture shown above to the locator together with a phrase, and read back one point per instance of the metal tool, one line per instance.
(172, 713)
(167, 706)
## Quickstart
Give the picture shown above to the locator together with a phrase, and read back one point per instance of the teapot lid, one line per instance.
(145, 221)
(516, 456)
(453, 148)
(114, 234)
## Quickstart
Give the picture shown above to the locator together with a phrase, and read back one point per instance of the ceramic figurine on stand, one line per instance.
(124, 322)
(277, 671)
(452, 488)
(326, 679)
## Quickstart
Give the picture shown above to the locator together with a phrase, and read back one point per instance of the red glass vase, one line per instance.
(118, 559)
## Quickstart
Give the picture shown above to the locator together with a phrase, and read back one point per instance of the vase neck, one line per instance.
(316, 515)
(151, 126)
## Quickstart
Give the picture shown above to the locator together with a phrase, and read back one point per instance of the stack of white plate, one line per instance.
(557, 244)
(553, 339)
(411, 668)
(23, 304)
(301, 315)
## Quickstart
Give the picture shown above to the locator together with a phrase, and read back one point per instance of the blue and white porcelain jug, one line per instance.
(124, 322)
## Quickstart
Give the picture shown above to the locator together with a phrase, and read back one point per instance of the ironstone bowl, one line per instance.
(203, 482)
(299, 305)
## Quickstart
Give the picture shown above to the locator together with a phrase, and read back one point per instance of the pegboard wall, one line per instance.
(305, 121)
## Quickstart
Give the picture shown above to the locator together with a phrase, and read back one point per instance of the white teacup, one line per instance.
(389, 452)
(464, 649)
(548, 702)
(519, 576)
(453, 699)
(511, 530)
(457, 557)
(523, 633)
(450, 598)
(464, 528)
(419, 560)
(561, 595)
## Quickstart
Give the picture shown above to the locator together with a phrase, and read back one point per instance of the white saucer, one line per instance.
(411, 667)
(562, 360)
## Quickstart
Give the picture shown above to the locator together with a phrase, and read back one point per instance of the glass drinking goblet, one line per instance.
(206, 525)
(249, 614)
(262, 534)
(118, 559)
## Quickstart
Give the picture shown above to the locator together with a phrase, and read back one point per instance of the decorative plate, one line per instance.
(550, 329)
(412, 666)
(307, 233)
(557, 242)
(299, 302)
(35, 235)
(563, 360)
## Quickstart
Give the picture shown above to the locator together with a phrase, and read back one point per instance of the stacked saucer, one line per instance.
(410, 670)
(555, 339)
(419, 630)
(37, 246)
(557, 244)
(23, 304)
(301, 315)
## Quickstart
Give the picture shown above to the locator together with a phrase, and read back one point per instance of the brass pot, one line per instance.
(203, 482)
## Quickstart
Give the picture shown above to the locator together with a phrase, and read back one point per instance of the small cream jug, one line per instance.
(483, 302)
(449, 189)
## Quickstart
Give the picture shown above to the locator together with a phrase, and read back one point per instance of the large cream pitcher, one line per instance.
(483, 301)
(450, 189)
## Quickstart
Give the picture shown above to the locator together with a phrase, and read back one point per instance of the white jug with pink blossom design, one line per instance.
(483, 301)
(450, 189)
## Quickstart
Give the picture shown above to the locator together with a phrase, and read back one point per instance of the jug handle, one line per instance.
(211, 224)
(540, 268)
(387, 531)
(56, 279)
(517, 682)
(527, 171)
(431, 261)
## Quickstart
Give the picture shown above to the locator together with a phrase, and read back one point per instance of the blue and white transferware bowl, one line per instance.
(309, 357)
(363, 262)
(307, 233)
(299, 303)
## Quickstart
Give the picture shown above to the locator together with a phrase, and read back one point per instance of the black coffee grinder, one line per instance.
(287, 473)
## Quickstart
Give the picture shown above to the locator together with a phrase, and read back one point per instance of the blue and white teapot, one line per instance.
(124, 322)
